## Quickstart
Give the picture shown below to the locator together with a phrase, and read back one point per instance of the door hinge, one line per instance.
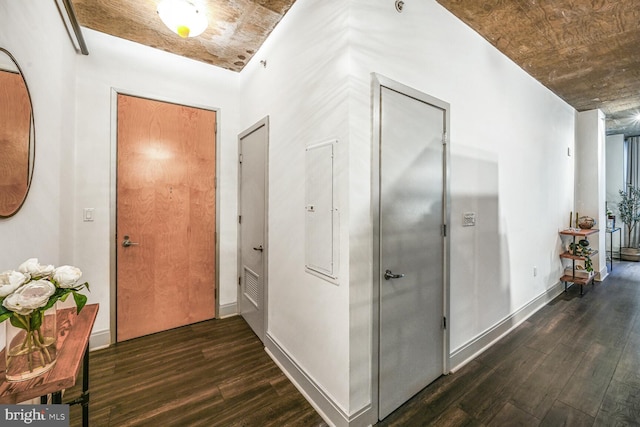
(443, 230)
(444, 322)
(240, 158)
(239, 219)
(239, 281)
(444, 138)
(215, 182)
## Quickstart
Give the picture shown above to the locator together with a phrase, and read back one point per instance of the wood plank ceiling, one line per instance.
(237, 28)
(585, 51)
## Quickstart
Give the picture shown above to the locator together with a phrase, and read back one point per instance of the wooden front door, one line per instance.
(165, 216)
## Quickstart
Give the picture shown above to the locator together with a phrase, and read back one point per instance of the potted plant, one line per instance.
(629, 207)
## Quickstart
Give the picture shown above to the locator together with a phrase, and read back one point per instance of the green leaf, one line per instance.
(4, 310)
(20, 321)
(36, 319)
(80, 299)
(5, 316)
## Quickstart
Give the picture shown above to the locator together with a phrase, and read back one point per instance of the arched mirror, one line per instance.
(17, 136)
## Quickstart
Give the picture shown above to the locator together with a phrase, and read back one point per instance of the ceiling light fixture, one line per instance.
(182, 17)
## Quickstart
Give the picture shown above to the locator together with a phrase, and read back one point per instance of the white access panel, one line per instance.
(321, 213)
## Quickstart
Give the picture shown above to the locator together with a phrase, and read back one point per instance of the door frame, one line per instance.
(113, 191)
(378, 82)
(265, 254)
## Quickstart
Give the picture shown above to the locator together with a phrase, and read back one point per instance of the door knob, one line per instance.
(126, 242)
(389, 275)
(259, 248)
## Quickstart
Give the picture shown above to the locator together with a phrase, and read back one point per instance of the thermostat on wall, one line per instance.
(469, 219)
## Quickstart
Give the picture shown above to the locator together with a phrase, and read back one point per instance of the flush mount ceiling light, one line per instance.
(182, 17)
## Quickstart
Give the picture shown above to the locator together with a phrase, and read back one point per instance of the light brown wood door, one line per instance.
(166, 207)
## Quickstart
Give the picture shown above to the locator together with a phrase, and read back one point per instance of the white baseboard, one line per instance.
(321, 401)
(227, 310)
(464, 354)
(602, 274)
(100, 339)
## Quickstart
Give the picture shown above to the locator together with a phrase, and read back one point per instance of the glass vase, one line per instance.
(30, 344)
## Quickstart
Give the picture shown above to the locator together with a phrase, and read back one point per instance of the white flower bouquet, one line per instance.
(26, 294)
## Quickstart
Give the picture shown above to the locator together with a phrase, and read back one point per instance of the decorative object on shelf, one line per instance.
(611, 218)
(28, 299)
(629, 207)
(586, 222)
(578, 272)
(582, 249)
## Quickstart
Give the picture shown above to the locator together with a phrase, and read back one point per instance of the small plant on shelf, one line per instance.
(583, 250)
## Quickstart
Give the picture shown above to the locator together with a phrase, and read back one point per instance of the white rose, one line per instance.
(32, 267)
(11, 280)
(67, 276)
(30, 297)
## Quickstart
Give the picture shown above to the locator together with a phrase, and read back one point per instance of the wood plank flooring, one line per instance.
(214, 373)
(576, 362)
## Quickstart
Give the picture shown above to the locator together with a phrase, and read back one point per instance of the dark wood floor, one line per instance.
(576, 362)
(213, 373)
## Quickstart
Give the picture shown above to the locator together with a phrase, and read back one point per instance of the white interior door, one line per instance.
(252, 209)
(411, 339)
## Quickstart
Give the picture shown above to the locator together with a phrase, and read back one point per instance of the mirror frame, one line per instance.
(32, 138)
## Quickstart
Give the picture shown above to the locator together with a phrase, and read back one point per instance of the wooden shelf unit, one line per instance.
(566, 279)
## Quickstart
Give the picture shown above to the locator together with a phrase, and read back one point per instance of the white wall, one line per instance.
(508, 140)
(35, 35)
(303, 90)
(590, 187)
(614, 170)
(118, 64)
(615, 181)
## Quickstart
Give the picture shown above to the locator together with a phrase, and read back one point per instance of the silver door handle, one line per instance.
(126, 242)
(389, 275)
(259, 249)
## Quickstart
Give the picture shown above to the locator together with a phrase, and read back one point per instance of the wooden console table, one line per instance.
(73, 348)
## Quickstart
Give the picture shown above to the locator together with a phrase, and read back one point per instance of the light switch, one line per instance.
(88, 214)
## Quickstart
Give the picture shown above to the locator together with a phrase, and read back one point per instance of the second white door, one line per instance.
(411, 263)
(252, 296)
